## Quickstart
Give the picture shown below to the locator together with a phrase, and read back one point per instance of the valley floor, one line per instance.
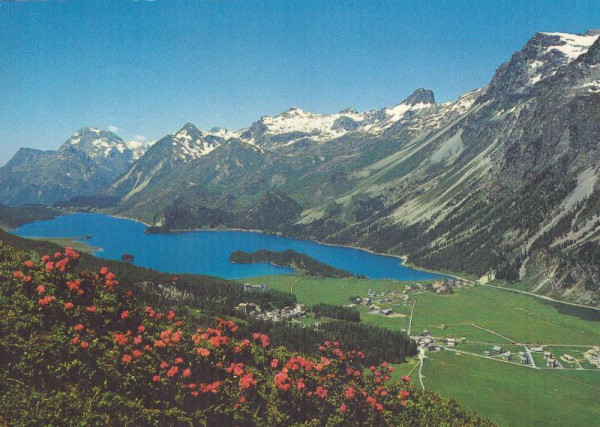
(479, 318)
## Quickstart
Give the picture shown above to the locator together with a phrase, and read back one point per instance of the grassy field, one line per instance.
(312, 290)
(516, 396)
(510, 394)
(517, 317)
(68, 241)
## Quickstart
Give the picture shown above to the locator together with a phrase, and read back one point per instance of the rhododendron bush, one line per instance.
(77, 349)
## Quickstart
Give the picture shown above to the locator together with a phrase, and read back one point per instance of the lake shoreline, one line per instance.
(403, 258)
(123, 239)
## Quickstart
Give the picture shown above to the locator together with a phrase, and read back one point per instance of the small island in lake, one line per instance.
(127, 257)
(290, 258)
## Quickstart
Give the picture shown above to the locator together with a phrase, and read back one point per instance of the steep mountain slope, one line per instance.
(84, 164)
(518, 182)
(174, 165)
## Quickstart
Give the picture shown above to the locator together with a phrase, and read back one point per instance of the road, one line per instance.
(412, 310)
(533, 365)
(518, 364)
(292, 286)
(422, 358)
(495, 333)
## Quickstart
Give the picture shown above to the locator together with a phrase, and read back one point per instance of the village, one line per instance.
(374, 301)
(254, 311)
(383, 303)
(535, 356)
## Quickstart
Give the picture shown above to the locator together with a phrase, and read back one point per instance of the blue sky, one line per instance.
(148, 67)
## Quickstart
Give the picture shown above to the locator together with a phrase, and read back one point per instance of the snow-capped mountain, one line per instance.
(191, 143)
(542, 57)
(138, 148)
(166, 156)
(88, 161)
(104, 148)
(100, 144)
(96, 143)
(296, 125)
(504, 180)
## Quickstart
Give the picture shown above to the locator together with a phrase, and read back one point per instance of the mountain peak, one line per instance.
(189, 131)
(89, 138)
(541, 57)
(420, 96)
(192, 143)
(569, 45)
(293, 111)
(189, 127)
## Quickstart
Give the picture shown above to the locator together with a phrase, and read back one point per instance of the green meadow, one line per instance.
(521, 318)
(313, 290)
(513, 395)
(508, 393)
(517, 317)
(69, 241)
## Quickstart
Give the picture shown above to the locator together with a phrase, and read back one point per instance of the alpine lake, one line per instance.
(207, 251)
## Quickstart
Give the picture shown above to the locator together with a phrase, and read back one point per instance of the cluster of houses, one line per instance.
(446, 286)
(382, 311)
(385, 297)
(442, 287)
(249, 287)
(593, 356)
(507, 356)
(372, 301)
(287, 313)
(550, 359)
(426, 341)
(429, 343)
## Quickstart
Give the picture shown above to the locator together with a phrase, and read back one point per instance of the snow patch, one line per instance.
(574, 45)
(192, 147)
(318, 126)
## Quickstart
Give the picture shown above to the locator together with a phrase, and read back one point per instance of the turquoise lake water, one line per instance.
(207, 252)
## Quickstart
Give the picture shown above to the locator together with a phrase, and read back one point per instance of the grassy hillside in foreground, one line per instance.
(79, 348)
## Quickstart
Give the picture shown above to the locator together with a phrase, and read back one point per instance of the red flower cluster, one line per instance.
(46, 300)
(210, 362)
